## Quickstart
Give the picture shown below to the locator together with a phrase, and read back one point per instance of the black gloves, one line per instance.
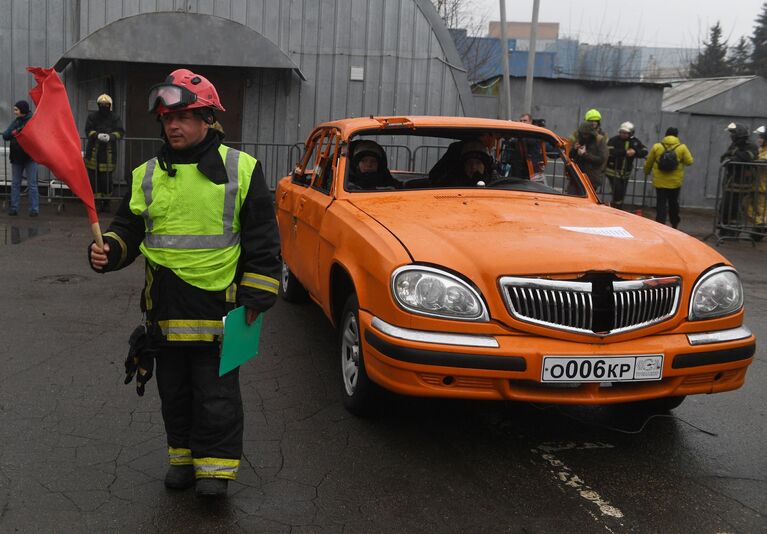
(140, 360)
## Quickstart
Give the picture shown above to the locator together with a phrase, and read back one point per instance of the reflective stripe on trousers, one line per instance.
(179, 456)
(216, 468)
(191, 329)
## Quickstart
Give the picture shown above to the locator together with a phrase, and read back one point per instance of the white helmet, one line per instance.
(761, 130)
(627, 127)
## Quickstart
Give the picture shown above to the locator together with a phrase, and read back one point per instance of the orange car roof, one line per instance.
(349, 127)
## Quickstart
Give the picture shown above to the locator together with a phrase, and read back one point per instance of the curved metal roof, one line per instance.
(180, 38)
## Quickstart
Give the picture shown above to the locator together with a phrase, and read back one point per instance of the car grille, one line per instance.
(602, 306)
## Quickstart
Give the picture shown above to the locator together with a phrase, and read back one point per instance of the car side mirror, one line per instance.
(298, 177)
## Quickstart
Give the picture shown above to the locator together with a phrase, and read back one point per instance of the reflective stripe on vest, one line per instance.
(228, 238)
(216, 468)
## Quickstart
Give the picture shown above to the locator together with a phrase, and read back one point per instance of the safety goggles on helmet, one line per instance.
(171, 96)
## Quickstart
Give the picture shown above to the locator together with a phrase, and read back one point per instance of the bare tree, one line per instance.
(455, 13)
(468, 31)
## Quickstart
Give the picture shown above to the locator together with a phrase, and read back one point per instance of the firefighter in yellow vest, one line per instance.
(623, 149)
(201, 215)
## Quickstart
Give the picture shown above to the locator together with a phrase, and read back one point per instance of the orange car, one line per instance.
(470, 258)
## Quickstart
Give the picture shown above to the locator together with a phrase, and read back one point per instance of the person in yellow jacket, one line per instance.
(667, 161)
(203, 218)
(755, 204)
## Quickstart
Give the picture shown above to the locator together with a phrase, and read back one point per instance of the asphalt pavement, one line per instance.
(80, 452)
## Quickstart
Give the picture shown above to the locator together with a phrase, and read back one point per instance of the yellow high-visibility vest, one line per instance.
(192, 224)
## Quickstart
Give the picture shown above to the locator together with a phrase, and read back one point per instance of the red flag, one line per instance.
(51, 138)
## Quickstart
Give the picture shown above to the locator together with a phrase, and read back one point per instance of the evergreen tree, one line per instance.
(712, 61)
(759, 42)
(740, 58)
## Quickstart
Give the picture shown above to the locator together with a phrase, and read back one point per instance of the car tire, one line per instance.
(290, 288)
(663, 404)
(359, 392)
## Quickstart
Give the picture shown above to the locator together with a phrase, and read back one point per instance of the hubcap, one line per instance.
(350, 354)
(285, 276)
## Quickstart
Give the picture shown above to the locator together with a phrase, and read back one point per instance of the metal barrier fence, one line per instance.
(277, 160)
(640, 192)
(741, 201)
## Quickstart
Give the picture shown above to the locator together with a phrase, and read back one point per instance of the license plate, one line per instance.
(602, 369)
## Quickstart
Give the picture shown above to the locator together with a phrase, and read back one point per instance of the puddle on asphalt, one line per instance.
(13, 235)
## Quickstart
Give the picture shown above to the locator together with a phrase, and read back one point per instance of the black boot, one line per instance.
(211, 487)
(179, 477)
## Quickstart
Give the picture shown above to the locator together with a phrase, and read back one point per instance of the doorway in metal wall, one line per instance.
(139, 124)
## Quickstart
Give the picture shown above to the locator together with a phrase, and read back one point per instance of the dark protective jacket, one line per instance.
(739, 177)
(618, 163)
(98, 153)
(593, 162)
(17, 154)
(166, 296)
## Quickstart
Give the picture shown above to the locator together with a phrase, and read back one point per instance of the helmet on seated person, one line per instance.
(368, 165)
(475, 160)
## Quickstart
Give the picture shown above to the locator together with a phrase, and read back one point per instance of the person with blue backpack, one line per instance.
(667, 161)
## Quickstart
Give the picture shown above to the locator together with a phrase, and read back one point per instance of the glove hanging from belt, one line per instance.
(140, 360)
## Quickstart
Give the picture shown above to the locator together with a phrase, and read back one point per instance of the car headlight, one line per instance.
(717, 293)
(430, 291)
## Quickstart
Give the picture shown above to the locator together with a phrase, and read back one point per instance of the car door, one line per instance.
(288, 198)
(311, 207)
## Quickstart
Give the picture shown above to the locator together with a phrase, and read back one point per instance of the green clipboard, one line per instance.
(240, 340)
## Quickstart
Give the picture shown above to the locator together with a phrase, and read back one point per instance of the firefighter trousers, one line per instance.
(202, 412)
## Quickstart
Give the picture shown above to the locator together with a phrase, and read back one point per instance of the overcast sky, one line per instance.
(644, 22)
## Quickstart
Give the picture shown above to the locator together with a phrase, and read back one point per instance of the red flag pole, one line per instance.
(97, 237)
(52, 140)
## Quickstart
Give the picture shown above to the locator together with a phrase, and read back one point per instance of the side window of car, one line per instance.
(304, 171)
(570, 182)
(327, 162)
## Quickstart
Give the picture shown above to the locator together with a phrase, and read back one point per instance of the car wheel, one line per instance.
(663, 404)
(357, 389)
(290, 288)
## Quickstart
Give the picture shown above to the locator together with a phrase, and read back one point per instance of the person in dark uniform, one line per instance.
(102, 128)
(623, 149)
(738, 178)
(202, 216)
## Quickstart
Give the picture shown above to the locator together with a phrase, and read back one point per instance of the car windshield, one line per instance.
(442, 158)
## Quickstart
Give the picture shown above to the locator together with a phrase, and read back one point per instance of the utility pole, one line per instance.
(531, 60)
(505, 62)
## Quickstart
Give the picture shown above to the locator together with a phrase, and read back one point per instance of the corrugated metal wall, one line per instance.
(409, 62)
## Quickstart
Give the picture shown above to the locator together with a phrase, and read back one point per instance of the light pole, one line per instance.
(505, 62)
(531, 61)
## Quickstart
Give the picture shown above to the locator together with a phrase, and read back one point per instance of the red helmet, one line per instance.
(183, 89)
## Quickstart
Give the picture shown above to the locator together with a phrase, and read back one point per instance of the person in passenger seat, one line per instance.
(368, 166)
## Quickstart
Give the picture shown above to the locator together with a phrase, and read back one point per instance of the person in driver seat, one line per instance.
(475, 165)
(368, 166)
